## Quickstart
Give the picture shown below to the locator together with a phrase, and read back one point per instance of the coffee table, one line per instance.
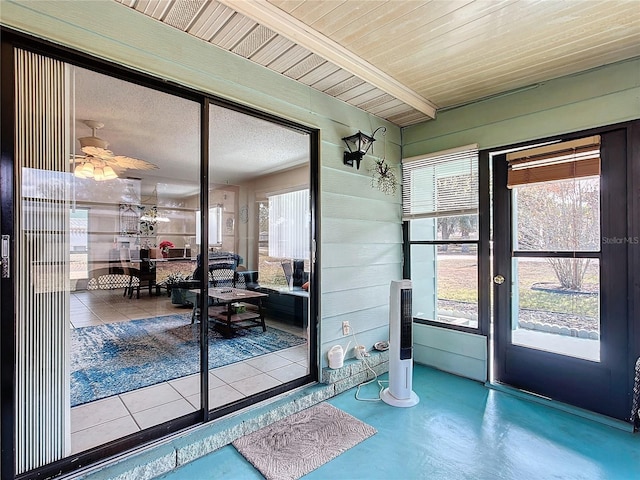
(227, 320)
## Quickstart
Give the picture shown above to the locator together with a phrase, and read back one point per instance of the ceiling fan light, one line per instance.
(98, 174)
(109, 173)
(78, 171)
(87, 169)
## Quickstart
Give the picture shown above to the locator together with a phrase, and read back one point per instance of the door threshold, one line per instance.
(580, 412)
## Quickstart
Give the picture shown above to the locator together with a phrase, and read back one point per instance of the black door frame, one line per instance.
(618, 141)
(11, 39)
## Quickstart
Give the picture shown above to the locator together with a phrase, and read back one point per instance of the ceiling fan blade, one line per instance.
(131, 163)
(98, 152)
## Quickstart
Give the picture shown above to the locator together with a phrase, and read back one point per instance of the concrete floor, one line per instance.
(459, 430)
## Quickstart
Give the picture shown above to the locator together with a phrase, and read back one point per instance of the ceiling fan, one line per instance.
(101, 164)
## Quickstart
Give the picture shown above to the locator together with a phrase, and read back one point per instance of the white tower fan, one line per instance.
(399, 392)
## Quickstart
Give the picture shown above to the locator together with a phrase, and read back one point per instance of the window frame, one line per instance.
(483, 253)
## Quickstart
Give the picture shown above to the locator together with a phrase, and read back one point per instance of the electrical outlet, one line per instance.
(346, 328)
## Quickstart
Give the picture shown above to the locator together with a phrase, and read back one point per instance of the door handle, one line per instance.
(498, 279)
(6, 240)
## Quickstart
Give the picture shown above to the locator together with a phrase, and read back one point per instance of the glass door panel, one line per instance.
(119, 181)
(258, 256)
(551, 318)
(134, 172)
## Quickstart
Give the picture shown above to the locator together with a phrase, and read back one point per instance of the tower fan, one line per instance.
(399, 392)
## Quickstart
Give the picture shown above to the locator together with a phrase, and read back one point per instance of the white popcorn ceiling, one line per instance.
(164, 129)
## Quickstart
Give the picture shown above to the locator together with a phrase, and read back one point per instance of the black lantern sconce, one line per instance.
(358, 145)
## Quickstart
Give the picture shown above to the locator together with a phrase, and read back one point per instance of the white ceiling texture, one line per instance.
(402, 60)
(143, 123)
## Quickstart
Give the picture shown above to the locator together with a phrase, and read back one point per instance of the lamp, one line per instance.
(95, 169)
(358, 145)
(94, 164)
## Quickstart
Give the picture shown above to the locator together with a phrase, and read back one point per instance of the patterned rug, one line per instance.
(302, 442)
(119, 357)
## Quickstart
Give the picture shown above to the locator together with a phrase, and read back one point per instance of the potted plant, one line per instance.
(164, 246)
(172, 282)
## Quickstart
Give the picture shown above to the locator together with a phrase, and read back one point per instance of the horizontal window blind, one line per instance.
(559, 161)
(440, 184)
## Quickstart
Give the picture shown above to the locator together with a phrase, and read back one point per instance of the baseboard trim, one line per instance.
(580, 412)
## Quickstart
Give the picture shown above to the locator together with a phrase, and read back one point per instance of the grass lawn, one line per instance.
(458, 281)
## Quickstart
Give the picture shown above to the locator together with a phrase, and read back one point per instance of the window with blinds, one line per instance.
(441, 184)
(551, 163)
(440, 204)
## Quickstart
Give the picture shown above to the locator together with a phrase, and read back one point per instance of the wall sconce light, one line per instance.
(358, 145)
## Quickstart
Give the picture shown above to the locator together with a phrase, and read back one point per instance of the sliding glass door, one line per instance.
(126, 266)
(108, 186)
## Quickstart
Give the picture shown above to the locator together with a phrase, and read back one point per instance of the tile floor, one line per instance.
(98, 422)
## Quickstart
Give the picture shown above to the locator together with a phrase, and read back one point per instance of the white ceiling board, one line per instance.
(243, 147)
(447, 53)
(212, 18)
(296, 31)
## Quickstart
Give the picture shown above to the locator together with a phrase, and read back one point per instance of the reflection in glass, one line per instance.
(262, 257)
(547, 315)
(134, 348)
(109, 264)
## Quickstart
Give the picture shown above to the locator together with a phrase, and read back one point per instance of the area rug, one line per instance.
(296, 445)
(119, 357)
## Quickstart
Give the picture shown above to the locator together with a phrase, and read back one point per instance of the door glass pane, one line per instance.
(259, 260)
(557, 216)
(547, 316)
(134, 191)
(445, 283)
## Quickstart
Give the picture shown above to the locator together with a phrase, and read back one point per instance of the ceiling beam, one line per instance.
(293, 29)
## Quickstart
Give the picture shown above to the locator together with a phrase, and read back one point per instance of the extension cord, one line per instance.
(375, 375)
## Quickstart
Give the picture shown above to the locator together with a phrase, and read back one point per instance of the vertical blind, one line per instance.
(289, 225)
(42, 291)
(215, 226)
(440, 184)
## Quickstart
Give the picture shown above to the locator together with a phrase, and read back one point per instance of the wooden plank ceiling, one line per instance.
(403, 60)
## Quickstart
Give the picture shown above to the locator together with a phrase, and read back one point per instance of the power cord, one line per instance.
(375, 377)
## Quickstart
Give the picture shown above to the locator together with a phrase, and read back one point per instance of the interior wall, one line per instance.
(361, 238)
(599, 97)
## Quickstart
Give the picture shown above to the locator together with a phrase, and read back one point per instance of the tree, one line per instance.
(560, 216)
(454, 193)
